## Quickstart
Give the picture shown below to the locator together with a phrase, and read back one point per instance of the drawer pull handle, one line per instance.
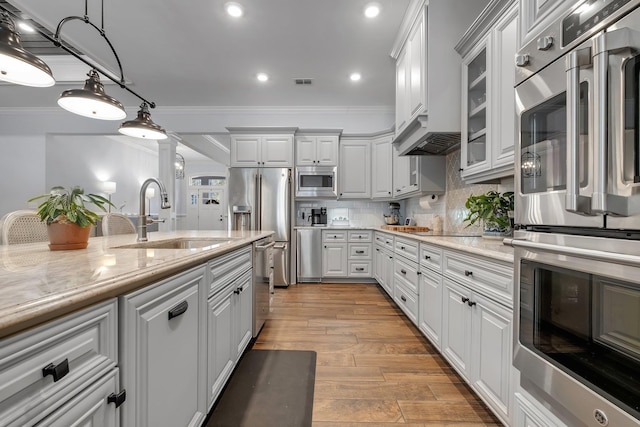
(359, 252)
(465, 299)
(427, 257)
(56, 371)
(468, 273)
(402, 247)
(471, 303)
(418, 272)
(178, 310)
(238, 290)
(403, 271)
(403, 298)
(118, 399)
(359, 268)
(359, 237)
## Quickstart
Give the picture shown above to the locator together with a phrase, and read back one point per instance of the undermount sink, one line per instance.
(180, 243)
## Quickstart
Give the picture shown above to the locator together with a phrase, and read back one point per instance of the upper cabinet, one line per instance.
(488, 103)
(262, 147)
(317, 150)
(381, 168)
(427, 67)
(417, 175)
(354, 171)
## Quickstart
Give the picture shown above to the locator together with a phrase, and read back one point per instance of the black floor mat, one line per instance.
(269, 388)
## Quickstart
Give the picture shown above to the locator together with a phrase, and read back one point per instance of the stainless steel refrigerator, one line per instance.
(260, 199)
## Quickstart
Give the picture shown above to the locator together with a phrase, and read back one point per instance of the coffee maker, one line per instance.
(319, 217)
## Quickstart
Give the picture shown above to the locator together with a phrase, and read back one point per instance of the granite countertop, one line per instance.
(477, 245)
(39, 284)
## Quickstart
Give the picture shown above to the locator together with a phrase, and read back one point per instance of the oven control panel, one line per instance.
(588, 15)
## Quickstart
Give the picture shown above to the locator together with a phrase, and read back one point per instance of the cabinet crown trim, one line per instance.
(483, 23)
(261, 130)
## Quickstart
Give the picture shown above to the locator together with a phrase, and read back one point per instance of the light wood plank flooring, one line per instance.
(374, 367)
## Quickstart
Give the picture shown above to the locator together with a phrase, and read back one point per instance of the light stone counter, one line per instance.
(38, 284)
(477, 245)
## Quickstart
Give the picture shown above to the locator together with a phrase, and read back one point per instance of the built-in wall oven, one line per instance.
(577, 215)
(316, 181)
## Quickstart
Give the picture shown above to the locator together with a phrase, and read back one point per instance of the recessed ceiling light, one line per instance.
(355, 77)
(234, 9)
(262, 77)
(26, 27)
(372, 10)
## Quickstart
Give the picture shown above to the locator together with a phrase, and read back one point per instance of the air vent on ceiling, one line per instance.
(303, 81)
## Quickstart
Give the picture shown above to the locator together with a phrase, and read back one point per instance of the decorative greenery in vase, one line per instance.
(492, 209)
(68, 206)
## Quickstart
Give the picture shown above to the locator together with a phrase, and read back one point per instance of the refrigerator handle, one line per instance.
(259, 223)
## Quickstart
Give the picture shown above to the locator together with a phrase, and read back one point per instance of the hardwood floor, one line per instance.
(374, 368)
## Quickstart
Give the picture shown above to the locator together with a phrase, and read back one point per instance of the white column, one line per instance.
(167, 174)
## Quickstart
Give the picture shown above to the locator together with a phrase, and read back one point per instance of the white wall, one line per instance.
(22, 162)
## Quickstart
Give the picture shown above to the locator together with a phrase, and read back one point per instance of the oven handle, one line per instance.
(623, 38)
(574, 202)
(577, 252)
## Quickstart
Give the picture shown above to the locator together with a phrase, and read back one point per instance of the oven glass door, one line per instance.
(585, 324)
(555, 156)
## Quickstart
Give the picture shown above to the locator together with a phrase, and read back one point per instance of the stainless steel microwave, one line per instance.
(316, 181)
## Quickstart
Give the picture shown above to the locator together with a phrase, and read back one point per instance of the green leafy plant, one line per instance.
(68, 206)
(492, 208)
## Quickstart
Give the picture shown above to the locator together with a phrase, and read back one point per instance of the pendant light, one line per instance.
(142, 126)
(92, 101)
(18, 65)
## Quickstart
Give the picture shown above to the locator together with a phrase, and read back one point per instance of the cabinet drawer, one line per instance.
(407, 248)
(360, 236)
(407, 273)
(226, 268)
(334, 236)
(359, 251)
(360, 268)
(484, 275)
(431, 257)
(73, 349)
(406, 300)
(384, 239)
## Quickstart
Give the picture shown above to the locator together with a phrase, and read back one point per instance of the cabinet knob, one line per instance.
(418, 272)
(402, 247)
(359, 237)
(118, 399)
(403, 271)
(468, 273)
(389, 192)
(56, 371)
(460, 170)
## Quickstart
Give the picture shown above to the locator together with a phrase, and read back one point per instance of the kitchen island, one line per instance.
(39, 284)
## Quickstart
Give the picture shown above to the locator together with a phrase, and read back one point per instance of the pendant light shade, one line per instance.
(142, 126)
(92, 101)
(18, 65)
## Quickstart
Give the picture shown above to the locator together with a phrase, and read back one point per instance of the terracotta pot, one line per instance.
(65, 236)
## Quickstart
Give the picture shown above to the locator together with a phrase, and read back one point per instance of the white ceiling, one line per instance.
(190, 53)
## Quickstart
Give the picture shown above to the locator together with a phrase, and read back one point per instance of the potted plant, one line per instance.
(494, 210)
(68, 219)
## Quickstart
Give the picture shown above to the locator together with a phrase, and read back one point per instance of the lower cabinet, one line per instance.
(163, 353)
(94, 406)
(384, 269)
(229, 332)
(430, 306)
(476, 339)
(347, 254)
(63, 372)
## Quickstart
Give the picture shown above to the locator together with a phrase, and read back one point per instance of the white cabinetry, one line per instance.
(406, 277)
(347, 254)
(488, 100)
(477, 326)
(62, 372)
(354, 172)
(253, 147)
(317, 150)
(334, 253)
(536, 15)
(381, 168)
(384, 261)
(229, 316)
(430, 300)
(163, 352)
(415, 175)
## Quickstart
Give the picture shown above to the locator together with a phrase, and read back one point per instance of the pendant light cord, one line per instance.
(57, 41)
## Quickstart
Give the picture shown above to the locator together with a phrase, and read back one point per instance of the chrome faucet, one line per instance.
(142, 217)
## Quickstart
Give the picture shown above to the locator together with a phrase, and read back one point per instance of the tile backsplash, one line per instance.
(449, 206)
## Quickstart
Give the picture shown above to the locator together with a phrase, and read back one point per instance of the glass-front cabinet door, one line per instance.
(475, 108)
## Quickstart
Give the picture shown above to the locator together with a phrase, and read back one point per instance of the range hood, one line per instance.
(420, 139)
(428, 95)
